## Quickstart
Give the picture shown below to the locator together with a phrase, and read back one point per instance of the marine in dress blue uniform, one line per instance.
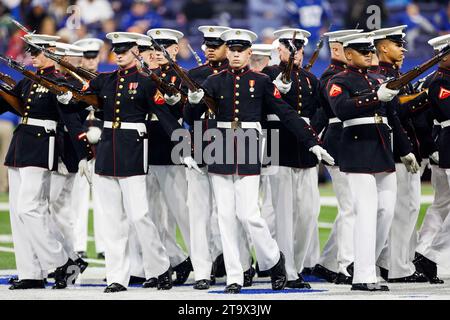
(365, 153)
(243, 98)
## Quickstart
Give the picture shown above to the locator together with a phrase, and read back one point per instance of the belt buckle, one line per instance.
(378, 119)
(25, 120)
(235, 125)
(116, 125)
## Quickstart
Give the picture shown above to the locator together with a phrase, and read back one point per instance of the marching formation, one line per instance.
(228, 154)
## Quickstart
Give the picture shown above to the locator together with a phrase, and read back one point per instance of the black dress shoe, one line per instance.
(415, 277)
(201, 284)
(278, 274)
(324, 273)
(384, 273)
(343, 279)
(114, 287)
(12, 279)
(182, 271)
(307, 271)
(51, 275)
(101, 256)
(428, 268)
(262, 274)
(248, 277)
(136, 280)
(350, 268)
(165, 280)
(219, 266)
(82, 254)
(82, 264)
(63, 273)
(369, 287)
(150, 283)
(298, 284)
(27, 284)
(233, 288)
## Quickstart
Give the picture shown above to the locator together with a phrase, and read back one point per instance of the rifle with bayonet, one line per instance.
(163, 86)
(191, 84)
(7, 94)
(286, 76)
(53, 86)
(315, 54)
(80, 71)
(196, 56)
(407, 77)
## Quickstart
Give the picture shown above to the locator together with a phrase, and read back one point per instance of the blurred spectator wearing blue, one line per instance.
(140, 17)
(8, 121)
(417, 25)
(311, 15)
(265, 14)
(442, 20)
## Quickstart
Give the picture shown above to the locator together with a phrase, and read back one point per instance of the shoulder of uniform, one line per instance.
(224, 71)
(308, 74)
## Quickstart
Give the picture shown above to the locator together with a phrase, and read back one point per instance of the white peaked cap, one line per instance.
(334, 35)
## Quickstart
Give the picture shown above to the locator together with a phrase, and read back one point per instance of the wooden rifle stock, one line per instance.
(7, 79)
(11, 99)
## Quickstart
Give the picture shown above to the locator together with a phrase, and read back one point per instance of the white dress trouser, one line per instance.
(159, 213)
(36, 250)
(374, 198)
(265, 203)
(237, 203)
(61, 220)
(439, 249)
(306, 209)
(173, 184)
(80, 204)
(438, 211)
(337, 253)
(124, 200)
(199, 200)
(397, 252)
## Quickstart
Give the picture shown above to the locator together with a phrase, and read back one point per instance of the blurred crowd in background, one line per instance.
(77, 19)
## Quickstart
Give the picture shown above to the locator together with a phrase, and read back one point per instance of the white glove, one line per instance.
(65, 98)
(196, 96)
(93, 134)
(321, 153)
(410, 163)
(283, 87)
(172, 100)
(83, 170)
(191, 164)
(384, 94)
(62, 169)
(435, 156)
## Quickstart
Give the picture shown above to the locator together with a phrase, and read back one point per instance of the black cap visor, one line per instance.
(145, 48)
(90, 54)
(164, 43)
(238, 45)
(120, 48)
(363, 48)
(297, 43)
(213, 43)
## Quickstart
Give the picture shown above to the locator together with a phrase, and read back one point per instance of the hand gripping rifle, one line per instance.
(407, 77)
(52, 85)
(162, 85)
(191, 84)
(286, 76)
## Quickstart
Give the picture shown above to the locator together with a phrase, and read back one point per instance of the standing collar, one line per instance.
(218, 64)
(387, 65)
(124, 72)
(238, 72)
(357, 70)
(338, 63)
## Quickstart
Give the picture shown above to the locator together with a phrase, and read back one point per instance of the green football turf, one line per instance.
(327, 214)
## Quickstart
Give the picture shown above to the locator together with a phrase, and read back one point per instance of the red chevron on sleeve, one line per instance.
(276, 93)
(335, 90)
(444, 93)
